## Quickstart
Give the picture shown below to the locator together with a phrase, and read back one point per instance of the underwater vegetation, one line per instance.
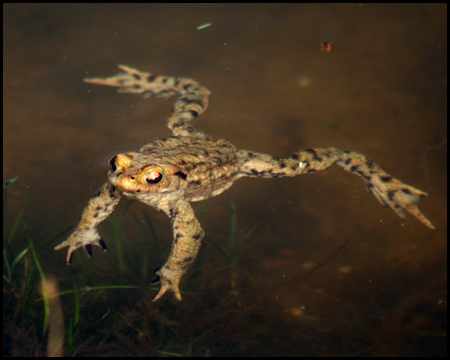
(102, 309)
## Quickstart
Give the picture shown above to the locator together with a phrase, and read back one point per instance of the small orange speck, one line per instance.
(325, 46)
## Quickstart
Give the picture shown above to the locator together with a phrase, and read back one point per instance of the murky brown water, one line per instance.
(381, 91)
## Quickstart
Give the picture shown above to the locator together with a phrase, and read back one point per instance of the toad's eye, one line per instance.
(154, 178)
(112, 164)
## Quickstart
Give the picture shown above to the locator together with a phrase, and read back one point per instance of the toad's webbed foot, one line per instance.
(97, 210)
(169, 280)
(389, 191)
(85, 238)
(400, 197)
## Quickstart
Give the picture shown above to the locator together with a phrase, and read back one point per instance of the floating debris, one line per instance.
(325, 46)
(204, 26)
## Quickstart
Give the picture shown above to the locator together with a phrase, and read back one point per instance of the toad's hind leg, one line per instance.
(192, 102)
(187, 236)
(388, 190)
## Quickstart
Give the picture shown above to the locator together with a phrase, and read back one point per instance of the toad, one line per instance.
(167, 174)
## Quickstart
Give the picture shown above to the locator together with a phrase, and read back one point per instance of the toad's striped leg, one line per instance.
(388, 190)
(97, 210)
(193, 101)
(187, 236)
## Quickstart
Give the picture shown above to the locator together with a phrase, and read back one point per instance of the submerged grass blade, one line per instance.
(151, 227)
(18, 257)
(105, 287)
(48, 218)
(10, 268)
(41, 275)
(76, 300)
(5, 195)
(203, 211)
(117, 234)
(69, 338)
(7, 277)
(15, 226)
(10, 182)
(233, 223)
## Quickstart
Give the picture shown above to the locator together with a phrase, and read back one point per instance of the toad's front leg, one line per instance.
(187, 236)
(97, 210)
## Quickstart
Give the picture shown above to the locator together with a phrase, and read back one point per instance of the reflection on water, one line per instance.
(305, 266)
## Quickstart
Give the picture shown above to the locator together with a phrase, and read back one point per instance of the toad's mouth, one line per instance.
(142, 182)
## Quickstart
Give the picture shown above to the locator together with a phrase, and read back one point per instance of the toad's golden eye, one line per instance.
(154, 178)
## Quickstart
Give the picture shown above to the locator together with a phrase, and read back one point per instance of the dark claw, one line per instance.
(69, 261)
(156, 281)
(88, 249)
(102, 245)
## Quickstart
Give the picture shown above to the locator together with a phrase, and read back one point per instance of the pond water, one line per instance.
(305, 266)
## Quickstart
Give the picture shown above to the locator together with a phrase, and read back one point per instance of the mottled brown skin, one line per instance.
(190, 166)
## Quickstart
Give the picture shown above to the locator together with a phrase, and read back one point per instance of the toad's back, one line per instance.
(210, 166)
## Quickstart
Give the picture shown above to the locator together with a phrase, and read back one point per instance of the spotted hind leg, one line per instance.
(193, 101)
(388, 190)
